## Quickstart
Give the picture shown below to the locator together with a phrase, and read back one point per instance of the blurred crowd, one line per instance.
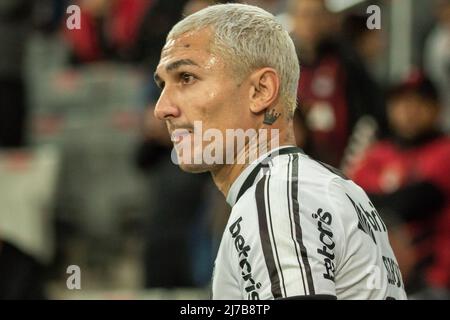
(86, 176)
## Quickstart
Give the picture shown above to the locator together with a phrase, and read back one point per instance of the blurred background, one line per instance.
(85, 171)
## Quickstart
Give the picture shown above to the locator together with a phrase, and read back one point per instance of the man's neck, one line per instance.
(228, 173)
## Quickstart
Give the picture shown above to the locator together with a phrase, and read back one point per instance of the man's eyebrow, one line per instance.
(172, 66)
(183, 62)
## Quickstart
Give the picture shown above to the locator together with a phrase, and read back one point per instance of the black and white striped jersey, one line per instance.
(300, 229)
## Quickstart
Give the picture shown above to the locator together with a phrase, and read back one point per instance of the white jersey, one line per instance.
(299, 229)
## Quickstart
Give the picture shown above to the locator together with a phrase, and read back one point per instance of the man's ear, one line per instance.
(264, 89)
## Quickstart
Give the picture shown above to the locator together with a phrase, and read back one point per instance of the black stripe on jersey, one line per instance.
(273, 237)
(265, 238)
(298, 228)
(288, 179)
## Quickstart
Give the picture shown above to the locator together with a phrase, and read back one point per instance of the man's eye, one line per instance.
(187, 78)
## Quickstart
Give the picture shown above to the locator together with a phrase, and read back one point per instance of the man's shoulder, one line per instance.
(291, 178)
(314, 175)
(286, 174)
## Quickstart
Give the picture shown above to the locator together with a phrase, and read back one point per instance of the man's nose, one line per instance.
(165, 107)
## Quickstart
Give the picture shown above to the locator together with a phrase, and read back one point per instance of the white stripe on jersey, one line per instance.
(272, 236)
(290, 182)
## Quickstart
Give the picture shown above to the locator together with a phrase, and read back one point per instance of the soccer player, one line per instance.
(297, 227)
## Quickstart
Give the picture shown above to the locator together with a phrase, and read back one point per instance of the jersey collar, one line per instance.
(248, 176)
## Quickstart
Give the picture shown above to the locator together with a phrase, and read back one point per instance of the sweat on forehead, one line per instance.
(193, 46)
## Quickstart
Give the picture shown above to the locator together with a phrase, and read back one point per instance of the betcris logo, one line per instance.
(324, 220)
(243, 249)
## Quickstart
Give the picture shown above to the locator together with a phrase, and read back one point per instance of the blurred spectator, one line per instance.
(335, 89)
(123, 30)
(21, 276)
(407, 178)
(437, 58)
(15, 27)
(20, 273)
(366, 44)
(363, 48)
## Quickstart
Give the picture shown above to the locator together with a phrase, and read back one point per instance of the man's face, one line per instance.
(410, 115)
(197, 85)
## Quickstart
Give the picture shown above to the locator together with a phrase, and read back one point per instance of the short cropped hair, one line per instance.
(248, 38)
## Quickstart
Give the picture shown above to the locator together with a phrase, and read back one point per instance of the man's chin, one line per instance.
(194, 164)
(195, 168)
